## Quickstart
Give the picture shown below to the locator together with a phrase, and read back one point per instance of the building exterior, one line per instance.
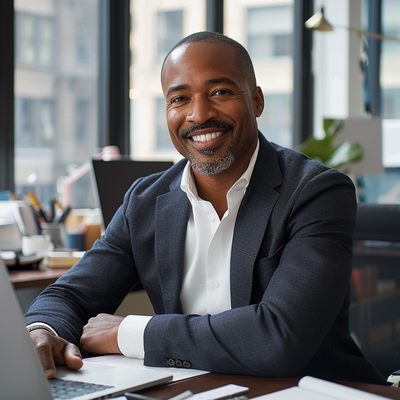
(55, 90)
(263, 27)
(56, 76)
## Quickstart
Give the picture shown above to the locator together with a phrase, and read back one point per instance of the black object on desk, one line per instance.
(113, 178)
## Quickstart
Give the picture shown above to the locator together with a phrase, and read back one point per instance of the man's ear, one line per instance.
(258, 100)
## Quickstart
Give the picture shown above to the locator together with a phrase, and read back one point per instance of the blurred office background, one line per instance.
(85, 74)
(78, 75)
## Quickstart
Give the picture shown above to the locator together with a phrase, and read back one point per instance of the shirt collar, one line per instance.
(188, 184)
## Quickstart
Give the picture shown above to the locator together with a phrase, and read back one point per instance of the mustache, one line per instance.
(209, 124)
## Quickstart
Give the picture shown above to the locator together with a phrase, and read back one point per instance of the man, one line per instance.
(244, 251)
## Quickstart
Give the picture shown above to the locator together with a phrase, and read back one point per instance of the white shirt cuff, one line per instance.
(39, 325)
(131, 335)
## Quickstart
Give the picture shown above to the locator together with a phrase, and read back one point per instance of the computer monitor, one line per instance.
(113, 178)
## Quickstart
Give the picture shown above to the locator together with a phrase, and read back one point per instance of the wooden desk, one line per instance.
(257, 386)
(35, 278)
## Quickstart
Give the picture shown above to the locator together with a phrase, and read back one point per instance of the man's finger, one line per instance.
(72, 356)
(54, 350)
(44, 350)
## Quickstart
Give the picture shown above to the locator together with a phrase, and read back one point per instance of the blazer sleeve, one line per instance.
(98, 283)
(308, 281)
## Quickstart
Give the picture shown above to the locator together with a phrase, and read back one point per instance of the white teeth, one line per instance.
(206, 137)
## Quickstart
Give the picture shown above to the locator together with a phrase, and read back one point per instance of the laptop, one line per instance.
(21, 373)
(113, 178)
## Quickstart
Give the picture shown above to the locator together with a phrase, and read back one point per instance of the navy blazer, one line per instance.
(290, 273)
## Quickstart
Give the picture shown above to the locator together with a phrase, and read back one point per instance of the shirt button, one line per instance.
(212, 219)
(216, 284)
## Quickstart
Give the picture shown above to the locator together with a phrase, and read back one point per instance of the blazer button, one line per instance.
(165, 361)
(178, 363)
(187, 364)
(171, 362)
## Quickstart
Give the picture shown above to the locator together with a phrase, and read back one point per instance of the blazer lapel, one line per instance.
(253, 216)
(172, 214)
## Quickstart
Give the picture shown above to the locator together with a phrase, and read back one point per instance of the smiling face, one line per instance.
(211, 107)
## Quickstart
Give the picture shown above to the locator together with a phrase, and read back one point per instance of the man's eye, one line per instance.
(178, 99)
(220, 92)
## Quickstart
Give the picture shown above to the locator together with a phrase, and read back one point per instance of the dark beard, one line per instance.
(215, 167)
(221, 163)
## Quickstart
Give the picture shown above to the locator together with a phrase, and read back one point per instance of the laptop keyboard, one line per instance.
(66, 389)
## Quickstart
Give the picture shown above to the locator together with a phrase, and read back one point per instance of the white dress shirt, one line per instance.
(206, 279)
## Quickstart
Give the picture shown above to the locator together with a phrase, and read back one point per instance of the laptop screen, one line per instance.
(113, 179)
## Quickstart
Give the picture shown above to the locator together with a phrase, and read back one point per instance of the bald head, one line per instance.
(243, 61)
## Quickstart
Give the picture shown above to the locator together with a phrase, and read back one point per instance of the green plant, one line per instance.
(325, 150)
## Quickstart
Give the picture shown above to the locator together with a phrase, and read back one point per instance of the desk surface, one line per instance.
(257, 386)
(35, 278)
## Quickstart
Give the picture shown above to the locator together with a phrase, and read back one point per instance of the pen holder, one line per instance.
(56, 232)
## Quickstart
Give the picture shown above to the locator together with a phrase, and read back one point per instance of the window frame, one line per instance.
(7, 96)
(114, 64)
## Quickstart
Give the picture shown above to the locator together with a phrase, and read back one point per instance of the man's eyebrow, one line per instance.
(176, 88)
(216, 81)
(209, 82)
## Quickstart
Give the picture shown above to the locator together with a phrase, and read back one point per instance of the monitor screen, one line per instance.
(113, 179)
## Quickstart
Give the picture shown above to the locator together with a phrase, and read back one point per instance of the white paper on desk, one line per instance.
(310, 388)
(134, 363)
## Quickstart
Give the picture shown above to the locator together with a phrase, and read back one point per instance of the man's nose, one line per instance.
(201, 110)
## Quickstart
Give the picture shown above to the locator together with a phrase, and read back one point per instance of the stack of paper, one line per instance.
(62, 259)
(310, 388)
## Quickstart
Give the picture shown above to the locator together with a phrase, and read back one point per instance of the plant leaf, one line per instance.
(332, 126)
(321, 149)
(345, 153)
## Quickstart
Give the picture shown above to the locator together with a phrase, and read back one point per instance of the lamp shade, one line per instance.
(318, 22)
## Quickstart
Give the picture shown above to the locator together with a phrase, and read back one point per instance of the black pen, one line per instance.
(64, 215)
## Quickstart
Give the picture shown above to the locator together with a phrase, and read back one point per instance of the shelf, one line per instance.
(376, 251)
(373, 299)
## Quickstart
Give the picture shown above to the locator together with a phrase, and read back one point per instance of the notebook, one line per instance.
(22, 376)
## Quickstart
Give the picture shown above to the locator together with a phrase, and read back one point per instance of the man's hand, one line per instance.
(54, 350)
(100, 335)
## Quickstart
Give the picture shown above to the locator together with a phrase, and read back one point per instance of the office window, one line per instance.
(385, 188)
(390, 26)
(55, 91)
(276, 120)
(390, 59)
(34, 126)
(391, 103)
(35, 38)
(266, 30)
(83, 124)
(157, 26)
(263, 27)
(269, 31)
(169, 31)
(85, 53)
(336, 55)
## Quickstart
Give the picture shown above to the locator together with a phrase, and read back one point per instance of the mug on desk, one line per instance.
(75, 241)
(36, 244)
